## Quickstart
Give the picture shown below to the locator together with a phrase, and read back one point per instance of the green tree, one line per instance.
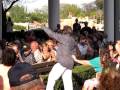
(66, 10)
(99, 4)
(18, 27)
(19, 14)
(6, 6)
(39, 16)
(93, 10)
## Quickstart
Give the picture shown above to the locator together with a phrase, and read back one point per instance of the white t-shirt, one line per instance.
(38, 56)
(4, 74)
(83, 49)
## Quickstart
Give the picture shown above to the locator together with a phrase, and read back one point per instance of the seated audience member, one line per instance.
(8, 60)
(30, 36)
(36, 51)
(17, 51)
(27, 55)
(33, 85)
(46, 56)
(1, 83)
(98, 64)
(23, 77)
(116, 58)
(111, 49)
(52, 49)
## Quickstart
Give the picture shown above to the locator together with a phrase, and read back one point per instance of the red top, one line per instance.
(1, 83)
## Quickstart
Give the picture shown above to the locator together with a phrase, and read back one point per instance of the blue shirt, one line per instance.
(96, 64)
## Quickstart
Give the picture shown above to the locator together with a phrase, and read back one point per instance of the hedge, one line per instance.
(80, 74)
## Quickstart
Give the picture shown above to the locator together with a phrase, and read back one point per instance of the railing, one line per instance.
(43, 68)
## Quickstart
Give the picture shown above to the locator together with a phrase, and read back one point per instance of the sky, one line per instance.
(38, 4)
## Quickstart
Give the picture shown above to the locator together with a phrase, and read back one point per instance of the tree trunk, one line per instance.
(3, 23)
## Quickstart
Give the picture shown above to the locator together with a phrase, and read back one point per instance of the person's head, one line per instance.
(117, 46)
(8, 57)
(26, 49)
(34, 45)
(22, 76)
(86, 24)
(9, 19)
(58, 26)
(45, 48)
(33, 85)
(76, 20)
(67, 29)
(109, 80)
(110, 46)
(50, 44)
(15, 48)
(104, 57)
(83, 40)
(93, 27)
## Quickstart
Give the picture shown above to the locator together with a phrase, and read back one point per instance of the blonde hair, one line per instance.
(67, 29)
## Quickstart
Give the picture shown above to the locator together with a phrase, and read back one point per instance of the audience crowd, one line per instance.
(93, 49)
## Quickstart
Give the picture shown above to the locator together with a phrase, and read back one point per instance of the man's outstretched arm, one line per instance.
(57, 36)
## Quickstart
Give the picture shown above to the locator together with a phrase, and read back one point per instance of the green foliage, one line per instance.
(80, 74)
(18, 27)
(19, 14)
(39, 16)
(99, 4)
(81, 69)
(94, 10)
(67, 9)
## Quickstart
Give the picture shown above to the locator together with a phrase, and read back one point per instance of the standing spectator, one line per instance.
(76, 26)
(9, 25)
(64, 65)
(94, 30)
(58, 28)
(86, 30)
